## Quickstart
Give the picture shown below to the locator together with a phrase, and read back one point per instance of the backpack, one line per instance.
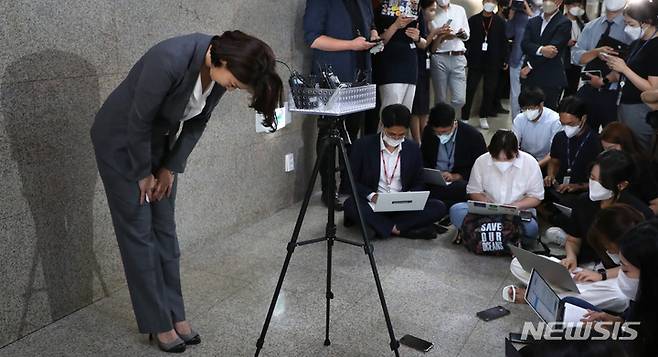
(490, 234)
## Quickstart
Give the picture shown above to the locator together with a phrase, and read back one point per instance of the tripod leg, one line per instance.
(331, 226)
(368, 249)
(291, 245)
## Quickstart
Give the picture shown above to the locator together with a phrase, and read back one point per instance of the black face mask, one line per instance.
(652, 119)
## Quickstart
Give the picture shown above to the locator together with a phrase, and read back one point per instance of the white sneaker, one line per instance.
(556, 235)
(484, 124)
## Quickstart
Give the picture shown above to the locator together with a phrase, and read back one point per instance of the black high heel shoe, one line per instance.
(175, 346)
(192, 339)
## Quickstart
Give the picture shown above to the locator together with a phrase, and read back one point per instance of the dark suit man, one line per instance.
(386, 162)
(337, 31)
(452, 147)
(544, 41)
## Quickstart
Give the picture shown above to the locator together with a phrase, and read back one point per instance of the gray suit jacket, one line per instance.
(150, 103)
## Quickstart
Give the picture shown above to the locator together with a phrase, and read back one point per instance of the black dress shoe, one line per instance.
(175, 346)
(427, 232)
(192, 339)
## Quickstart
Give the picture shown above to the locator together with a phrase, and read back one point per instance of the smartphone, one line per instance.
(416, 343)
(518, 338)
(585, 77)
(448, 22)
(493, 313)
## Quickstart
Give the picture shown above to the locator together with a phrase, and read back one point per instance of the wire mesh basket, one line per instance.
(332, 102)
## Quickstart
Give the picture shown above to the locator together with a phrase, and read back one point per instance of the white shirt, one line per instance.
(575, 30)
(522, 179)
(388, 167)
(197, 100)
(536, 137)
(544, 21)
(459, 21)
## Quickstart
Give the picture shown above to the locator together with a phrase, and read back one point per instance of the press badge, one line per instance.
(485, 46)
(566, 180)
(412, 45)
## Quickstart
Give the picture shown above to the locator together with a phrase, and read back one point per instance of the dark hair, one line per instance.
(396, 115)
(610, 225)
(252, 62)
(442, 116)
(644, 12)
(573, 105)
(504, 141)
(640, 247)
(531, 96)
(619, 133)
(615, 166)
(571, 2)
(424, 4)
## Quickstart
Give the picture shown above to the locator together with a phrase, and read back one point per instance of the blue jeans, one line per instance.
(459, 211)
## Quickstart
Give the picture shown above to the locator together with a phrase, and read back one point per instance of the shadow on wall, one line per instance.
(47, 121)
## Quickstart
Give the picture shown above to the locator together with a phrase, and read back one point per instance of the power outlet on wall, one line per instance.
(290, 162)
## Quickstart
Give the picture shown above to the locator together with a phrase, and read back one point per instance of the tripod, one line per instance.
(328, 148)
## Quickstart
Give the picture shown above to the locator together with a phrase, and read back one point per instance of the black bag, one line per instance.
(490, 234)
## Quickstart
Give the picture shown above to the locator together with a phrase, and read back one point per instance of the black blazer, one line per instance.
(546, 72)
(150, 103)
(497, 50)
(366, 165)
(469, 145)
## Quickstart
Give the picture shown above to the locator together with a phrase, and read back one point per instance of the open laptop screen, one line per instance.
(542, 298)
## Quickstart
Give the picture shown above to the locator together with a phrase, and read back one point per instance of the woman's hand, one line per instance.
(596, 316)
(360, 44)
(165, 182)
(570, 262)
(587, 275)
(403, 21)
(617, 64)
(549, 181)
(146, 186)
(525, 71)
(413, 33)
(569, 187)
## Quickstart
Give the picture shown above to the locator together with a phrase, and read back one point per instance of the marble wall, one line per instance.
(59, 61)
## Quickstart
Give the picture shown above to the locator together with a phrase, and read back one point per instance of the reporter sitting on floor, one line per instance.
(572, 153)
(618, 136)
(536, 125)
(506, 176)
(610, 178)
(451, 146)
(386, 162)
(597, 286)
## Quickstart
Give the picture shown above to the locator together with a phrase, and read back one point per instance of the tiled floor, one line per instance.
(433, 290)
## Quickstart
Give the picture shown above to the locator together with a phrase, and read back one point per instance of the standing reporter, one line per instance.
(138, 155)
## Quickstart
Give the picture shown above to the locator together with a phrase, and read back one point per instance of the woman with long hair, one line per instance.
(179, 80)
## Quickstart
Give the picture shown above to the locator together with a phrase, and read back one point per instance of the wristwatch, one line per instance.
(604, 274)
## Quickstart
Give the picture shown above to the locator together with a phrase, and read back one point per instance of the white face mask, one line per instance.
(531, 114)
(614, 257)
(597, 192)
(443, 2)
(614, 5)
(571, 131)
(393, 142)
(503, 165)
(628, 286)
(634, 32)
(576, 11)
(489, 7)
(444, 138)
(549, 7)
(538, 2)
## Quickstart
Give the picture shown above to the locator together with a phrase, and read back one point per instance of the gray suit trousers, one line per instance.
(147, 240)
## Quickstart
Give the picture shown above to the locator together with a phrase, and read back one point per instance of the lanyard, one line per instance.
(631, 56)
(452, 149)
(486, 29)
(570, 162)
(386, 178)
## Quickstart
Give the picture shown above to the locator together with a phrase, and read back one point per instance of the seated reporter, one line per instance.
(536, 125)
(572, 153)
(386, 162)
(507, 176)
(610, 178)
(451, 146)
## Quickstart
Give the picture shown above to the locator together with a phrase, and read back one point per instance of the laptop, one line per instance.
(486, 208)
(545, 302)
(553, 271)
(434, 177)
(401, 201)
(563, 209)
